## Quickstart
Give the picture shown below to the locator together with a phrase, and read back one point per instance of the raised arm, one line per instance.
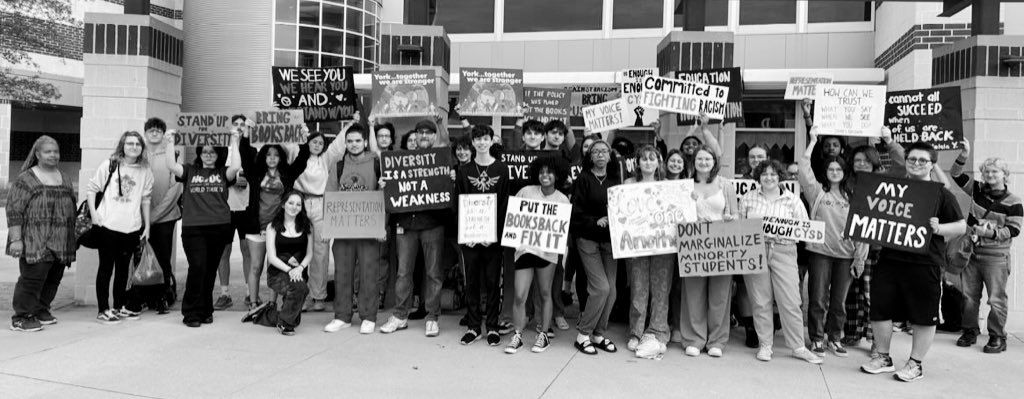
(958, 166)
(709, 139)
(808, 183)
(172, 164)
(371, 122)
(234, 158)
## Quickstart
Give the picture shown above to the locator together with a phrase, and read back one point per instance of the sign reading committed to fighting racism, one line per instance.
(417, 180)
(536, 225)
(404, 93)
(805, 84)
(930, 115)
(642, 217)
(720, 248)
(214, 128)
(632, 85)
(729, 77)
(478, 218)
(849, 110)
(323, 94)
(546, 105)
(486, 91)
(684, 97)
(354, 214)
(892, 212)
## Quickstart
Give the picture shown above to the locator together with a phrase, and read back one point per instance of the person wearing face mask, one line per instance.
(238, 202)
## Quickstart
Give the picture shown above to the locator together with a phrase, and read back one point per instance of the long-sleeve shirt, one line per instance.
(313, 179)
(126, 195)
(590, 204)
(1004, 216)
(833, 208)
(755, 205)
(46, 215)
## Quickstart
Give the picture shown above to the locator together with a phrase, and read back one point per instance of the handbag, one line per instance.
(145, 269)
(959, 250)
(88, 235)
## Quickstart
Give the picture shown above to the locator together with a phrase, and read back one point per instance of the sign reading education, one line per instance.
(478, 218)
(684, 97)
(930, 115)
(721, 248)
(892, 212)
(607, 116)
(632, 84)
(849, 110)
(805, 84)
(793, 229)
(546, 105)
(404, 93)
(417, 180)
(354, 214)
(537, 225)
(487, 91)
(323, 94)
(642, 217)
(214, 128)
(729, 77)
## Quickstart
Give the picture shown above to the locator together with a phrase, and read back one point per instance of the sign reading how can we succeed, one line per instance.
(684, 97)
(930, 115)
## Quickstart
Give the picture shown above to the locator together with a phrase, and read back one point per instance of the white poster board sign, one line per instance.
(632, 84)
(793, 229)
(606, 116)
(805, 84)
(536, 224)
(850, 110)
(685, 97)
(478, 218)
(642, 217)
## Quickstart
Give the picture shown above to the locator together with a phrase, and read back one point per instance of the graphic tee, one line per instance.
(205, 198)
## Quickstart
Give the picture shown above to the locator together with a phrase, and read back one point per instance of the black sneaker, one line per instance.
(289, 331)
(818, 347)
(493, 338)
(192, 323)
(161, 307)
(223, 302)
(504, 328)
(28, 324)
(967, 339)
(45, 318)
(751, 341)
(470, 336)
(418, 314)
(207, 320)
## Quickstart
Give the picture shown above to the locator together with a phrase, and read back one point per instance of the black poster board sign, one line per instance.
(417, 180)
(323, 94)
(731, 77)
(892, 212)
(930, 115)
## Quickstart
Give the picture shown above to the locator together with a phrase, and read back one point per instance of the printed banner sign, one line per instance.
(607, 116)
(730, 77)
(487, 91)
(684, 97)
(850, 110)
(518, 163)
(354, 214)
(805, 84)
(632, 83)
(721, 248)
(583, 96)
(323, 94)
(537, 225)
(930, 115)
(546, 105)
(642, 217)
(892, 212)
(417, 180)
(744, 186)
(214, 128)
(404, 93)
(793, 229)
(478, 218)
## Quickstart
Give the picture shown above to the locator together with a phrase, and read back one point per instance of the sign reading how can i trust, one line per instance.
(417, 180)
(536, 224)
(642, 217)
(721, 248)
(478, 218)
(354, 214)
(793, 229)
(930, 115)
(892, 212)
(849, 110)
(607, 116)
(684, 97)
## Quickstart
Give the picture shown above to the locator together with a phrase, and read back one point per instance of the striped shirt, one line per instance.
(755, 205)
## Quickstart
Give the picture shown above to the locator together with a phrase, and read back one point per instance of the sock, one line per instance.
(224, 289)
(582, 338)
(596, 339)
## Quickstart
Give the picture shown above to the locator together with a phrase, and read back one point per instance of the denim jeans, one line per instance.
(991, 270)
(203, 246)
(346, 255)
(293, 294)
(601, 273)
(36, 287)
(483, 277)
(409, 244)
(828, 284)
(650, 278)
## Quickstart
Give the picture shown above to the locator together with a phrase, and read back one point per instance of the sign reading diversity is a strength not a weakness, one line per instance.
(478, 218)
(417, 180)
(642, 217)
(607, 116)
(632, 87)
(892, 212)
(546, 105)
(849, 110)
(929, 115)
(404, 93)
(214, 128)
(800, 230)
(323, 94)
(536, 225)
(488, 91)
(354, 214)
(684, 97)
(721, 248)
(728, 77)
(805, 84)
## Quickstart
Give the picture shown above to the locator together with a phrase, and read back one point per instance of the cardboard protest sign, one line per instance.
(849, 110)
(684, 97)
(478, 218)
(536, 224)
(417, 180)
(404, 93)
(632, 83)
(546, 105)
(518, 163)
(642, 217)
(277, 127)
(892, 212)
(721, 248)
(805, 84)
(793, 229)
(488, 91)
(729, 77)
(744, 186)
(930, 115)
(354, 214)
(214, 128)
(323, 94)
(583, 96)
(607, 116)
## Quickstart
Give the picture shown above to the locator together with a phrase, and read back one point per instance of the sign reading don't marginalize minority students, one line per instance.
(930, 115)
(323, 94)
(404, 93)
(892, 212)
(849, 110)
(478, 218)
(354, 214)
(537, 225)
(632, 86)
(214, 128)
(607, 116)
(642, 217)
(805, 84)
(546, 105)
(728, 77)
(721, 248)
(684, 97)
(417, 180)
(487, 91)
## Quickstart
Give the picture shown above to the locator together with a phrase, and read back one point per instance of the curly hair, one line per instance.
(553, 164)
(765, 165)
(649, 150)
(999, 164)
(302, 223)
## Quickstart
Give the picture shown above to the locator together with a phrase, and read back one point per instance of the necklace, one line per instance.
(601, 179)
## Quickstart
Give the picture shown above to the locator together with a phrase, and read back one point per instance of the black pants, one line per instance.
(161, 239)
(293, 294)
(203, 246)
(37, 286)
(115, 253)
(483, 276)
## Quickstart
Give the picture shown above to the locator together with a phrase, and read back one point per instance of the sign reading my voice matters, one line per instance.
(417, 180)
(892, 212)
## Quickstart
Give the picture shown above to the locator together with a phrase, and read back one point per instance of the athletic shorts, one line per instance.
(241, 224)
(906, 292)
(530, 261)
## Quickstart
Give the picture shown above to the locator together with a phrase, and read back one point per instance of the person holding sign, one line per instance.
(781, 283)
(692, 142)
(836, 262)
(907, 285)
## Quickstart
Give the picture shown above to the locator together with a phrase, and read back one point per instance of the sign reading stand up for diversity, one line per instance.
(214, 128)
(892, 212)
(323, 94)
(684, 97)
(930, 115)
(642, 217)
(536, 225)
(721, 248)
(417, 180)
(850, 110)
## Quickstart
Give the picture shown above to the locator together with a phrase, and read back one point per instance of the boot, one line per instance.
(969, 337)
(994, 345)
(748, 326)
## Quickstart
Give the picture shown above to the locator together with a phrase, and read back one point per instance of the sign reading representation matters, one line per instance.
(684, 97)
(642, 217)
(632, 86)
(354, 214)
(721, 248)
(607, 116)
(930, 115)
(487, 91)
(214, 128)
(404, 93)
(546, 105)
(793, 229)
(729, 77)
(417, 180)
(323, 94)
(850, 110)
(892, 212)
(536, 224)
(478, 218)
(805, 84)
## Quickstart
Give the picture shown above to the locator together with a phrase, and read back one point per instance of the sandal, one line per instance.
(586, 347)
(606, 345)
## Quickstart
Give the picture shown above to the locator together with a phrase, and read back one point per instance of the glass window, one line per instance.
(309, 39)
(370, 25)
(548, 15)
(307, 59)
(633, 14)
(353, 45)
(716, 13)
(334, 16)
(774, 114)
(332, 41)
(357, 3)
(286, 10)
(330, 61)
(309, 12)
(762, 12)
(838, 11)
(466, 16)
(284, 37)
(355, 20)
(284, 58)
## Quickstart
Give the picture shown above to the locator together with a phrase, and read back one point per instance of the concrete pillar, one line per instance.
(5, 143)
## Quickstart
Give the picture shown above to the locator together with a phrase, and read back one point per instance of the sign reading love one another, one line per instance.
(642, 217)
(892, 212)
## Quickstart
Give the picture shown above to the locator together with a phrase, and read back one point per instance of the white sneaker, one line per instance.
(649, 347)
(806, 355)
(715, 352)
(432, 330)
(632, 344)
(394, 324)
(764, 354)
(692, 351)
(336, 325)
(367, 327)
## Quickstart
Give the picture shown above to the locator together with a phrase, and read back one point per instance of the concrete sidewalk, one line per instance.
(158, 357)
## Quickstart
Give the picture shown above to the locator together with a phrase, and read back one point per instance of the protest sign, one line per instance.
(849, 110)
(642, 217)
(478, 218)
(805, 84)
(417, 180)
(684, 97)
(487, 91)
(536, 224)
(632, 81)
(277, 127)
(730, 77)
(214, 128)
(607, 116)
(323, 94)
(930, 115)
(892, 212)
(404, 93)
(354, 214)
(518, 163)
(744, 186)
(583, 96)
(546, 105)
(793, 229)
(721, 248)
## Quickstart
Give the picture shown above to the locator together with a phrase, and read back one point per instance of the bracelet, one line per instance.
(960, 162)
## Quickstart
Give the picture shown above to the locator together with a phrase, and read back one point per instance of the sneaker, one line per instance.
(493, 338)
(431, 329)
(541, 344)
(108, 317)
(223, 302)
(289, 331)
(632, 344)
(367, 327)
(764, 353)
(837, 348)
(336, 325)
(968, 338)
(192, 323)
(394, 324)
(504, 328)
(418, 314)
(207, 320)
(676, 337)
(806, 355)
(307, 305)
(912, 371)
(818, 347)
(561, 323)
(161, 307)
(515, 343)
(649, 347)
(126, 314)
(691, 351)
(470, 337)
(45, 318)
(715, 352)
(550, 333)
(254, 312)
(751, 340)
(318, 305)
(28, 324)
(878, 364)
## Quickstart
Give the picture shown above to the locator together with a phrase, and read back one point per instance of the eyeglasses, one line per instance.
(918, 161)
(602, 152)
(425, 131)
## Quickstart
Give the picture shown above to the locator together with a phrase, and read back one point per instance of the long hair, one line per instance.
(31, 160)
(302, 224)
(222, 156)
(613, 160)
(261, 157)
(714, 169)
(844, 184)
(870, 153)
(118, 154)
(648, 150)
(686, 173)
(314, 134)
(404, 143)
